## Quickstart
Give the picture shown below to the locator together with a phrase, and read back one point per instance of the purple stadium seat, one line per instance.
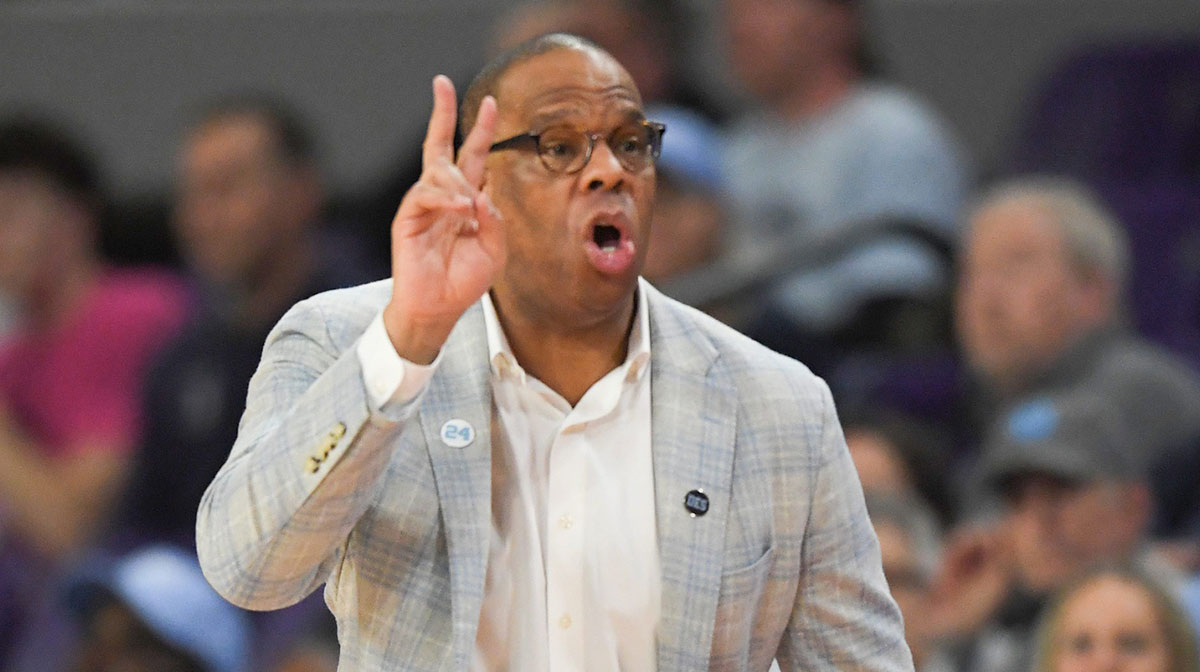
(1162, 218)
(1119, 110)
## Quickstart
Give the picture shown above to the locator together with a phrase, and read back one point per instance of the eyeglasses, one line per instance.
(565, 150)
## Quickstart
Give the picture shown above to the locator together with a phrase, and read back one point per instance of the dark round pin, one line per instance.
(696, 502)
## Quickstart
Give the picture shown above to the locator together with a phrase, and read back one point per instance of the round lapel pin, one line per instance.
(696, 502)
(457, 433)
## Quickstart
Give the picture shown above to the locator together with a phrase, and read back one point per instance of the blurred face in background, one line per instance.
(240, 200)
(1059, 528)
(633, 37)
(1110, 625)
(774, 44)
(1021, 301)
(878, 462)
(41, 227)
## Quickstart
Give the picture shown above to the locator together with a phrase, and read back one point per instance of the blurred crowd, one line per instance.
(1014, 349)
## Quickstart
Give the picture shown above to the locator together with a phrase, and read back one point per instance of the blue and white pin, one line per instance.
(457, 433)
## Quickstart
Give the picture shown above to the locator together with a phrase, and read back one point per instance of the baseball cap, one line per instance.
(1077, 438)
(164, 587)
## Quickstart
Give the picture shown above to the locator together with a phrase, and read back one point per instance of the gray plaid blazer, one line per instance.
(322, 488)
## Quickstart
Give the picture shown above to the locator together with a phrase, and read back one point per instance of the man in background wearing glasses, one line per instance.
(515, 455)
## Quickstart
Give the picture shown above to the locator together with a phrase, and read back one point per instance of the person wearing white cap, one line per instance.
(152, 611)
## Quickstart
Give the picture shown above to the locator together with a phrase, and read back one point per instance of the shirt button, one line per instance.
(565, 522)
(564, 621)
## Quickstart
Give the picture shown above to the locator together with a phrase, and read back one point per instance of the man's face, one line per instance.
(36, 221)
(561, 267)
(773, 42)
(1020, 300)
(1060, 528)
(238, 199)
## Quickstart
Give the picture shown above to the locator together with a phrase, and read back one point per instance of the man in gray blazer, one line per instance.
(515, 455)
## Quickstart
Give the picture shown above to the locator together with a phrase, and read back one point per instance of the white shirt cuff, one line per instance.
(390, 379)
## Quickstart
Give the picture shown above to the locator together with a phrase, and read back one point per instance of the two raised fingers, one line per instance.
(438, 150)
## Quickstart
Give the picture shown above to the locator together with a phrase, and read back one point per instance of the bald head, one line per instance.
(487, 82)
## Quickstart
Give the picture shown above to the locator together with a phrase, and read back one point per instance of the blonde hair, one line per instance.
(1178, 633)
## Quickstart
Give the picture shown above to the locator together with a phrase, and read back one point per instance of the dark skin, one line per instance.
(503, 221)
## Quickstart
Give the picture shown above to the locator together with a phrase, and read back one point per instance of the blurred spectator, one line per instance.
(1075, 495)
(896, 456)
(845, 189)
(910, 547)
(70, 373)
(689, 198)
(153, 611)
(647, 38)
(1039, 312)
(248, 220)
(1116, 620)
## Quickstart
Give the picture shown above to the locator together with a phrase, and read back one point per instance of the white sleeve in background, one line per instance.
(390, 379)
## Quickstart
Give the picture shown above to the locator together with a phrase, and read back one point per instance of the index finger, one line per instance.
(474, 150)
(439, 137)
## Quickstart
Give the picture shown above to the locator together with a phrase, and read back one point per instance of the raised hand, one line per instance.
(447, 237)
(976, 574)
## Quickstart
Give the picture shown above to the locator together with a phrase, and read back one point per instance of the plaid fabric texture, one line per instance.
(322, 488)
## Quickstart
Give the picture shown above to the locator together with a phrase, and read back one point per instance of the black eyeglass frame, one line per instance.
(657, 130)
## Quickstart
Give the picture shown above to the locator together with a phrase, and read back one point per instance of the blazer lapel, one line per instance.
(693, 429)
(461, 391)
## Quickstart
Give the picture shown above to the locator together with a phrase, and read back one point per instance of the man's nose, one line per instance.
(603, 171)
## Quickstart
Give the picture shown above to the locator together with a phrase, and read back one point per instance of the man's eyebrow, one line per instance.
(553, 117)
(550, 118)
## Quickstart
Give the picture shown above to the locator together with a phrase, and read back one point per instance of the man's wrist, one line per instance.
(416, 342)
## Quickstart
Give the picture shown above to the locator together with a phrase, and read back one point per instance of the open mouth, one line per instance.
(606, 237)
(611, 249)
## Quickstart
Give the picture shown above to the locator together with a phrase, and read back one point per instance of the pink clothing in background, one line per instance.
(79, 386)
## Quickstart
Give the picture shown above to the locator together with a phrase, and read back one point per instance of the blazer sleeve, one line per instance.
(844, 618)
(309, 459)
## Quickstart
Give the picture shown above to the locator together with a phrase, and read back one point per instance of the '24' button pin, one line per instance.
(457, 433)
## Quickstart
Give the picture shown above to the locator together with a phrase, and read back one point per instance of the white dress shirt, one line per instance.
(573, 576)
